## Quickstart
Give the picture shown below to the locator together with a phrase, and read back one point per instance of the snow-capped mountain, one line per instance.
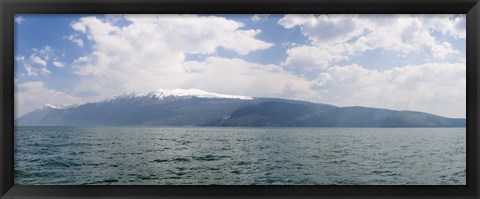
(178, 94)
(195, 107)
(49, 106)
(185, 93)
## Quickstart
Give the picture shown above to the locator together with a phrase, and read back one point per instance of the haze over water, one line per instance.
(239, 156)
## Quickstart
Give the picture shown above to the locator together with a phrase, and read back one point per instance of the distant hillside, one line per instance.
(200, 108)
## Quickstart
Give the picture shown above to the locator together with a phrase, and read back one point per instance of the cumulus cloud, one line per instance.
(185, 33)
(142, 53)
(307, 58)
(334, 36)
(246, 78)
(37, 63)
(150, 51)
(452, 25)
(75, 39)
(258, 17)
(58, 64)
(37, 60)
(29, 69)
(435, 86)
(45, 53)
(438, 88)
(326, 28)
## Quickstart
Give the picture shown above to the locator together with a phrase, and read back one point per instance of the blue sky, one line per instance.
(401, 62)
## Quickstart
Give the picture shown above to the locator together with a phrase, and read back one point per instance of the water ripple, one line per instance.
(234, 156)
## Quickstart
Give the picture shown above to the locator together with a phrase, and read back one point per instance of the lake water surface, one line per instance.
(239, 156)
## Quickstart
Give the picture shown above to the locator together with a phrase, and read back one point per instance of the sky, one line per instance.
(399, 62)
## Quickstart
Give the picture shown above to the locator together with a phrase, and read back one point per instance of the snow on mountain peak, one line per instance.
(162, 93)
(49, 106)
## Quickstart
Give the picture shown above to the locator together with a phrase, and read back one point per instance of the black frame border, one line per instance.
(8, 8)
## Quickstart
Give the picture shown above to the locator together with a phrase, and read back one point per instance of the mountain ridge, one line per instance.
(195, 107)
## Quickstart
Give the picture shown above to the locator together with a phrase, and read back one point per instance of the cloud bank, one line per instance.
(141, 53)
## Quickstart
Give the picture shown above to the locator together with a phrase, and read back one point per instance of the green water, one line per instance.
(239, 156)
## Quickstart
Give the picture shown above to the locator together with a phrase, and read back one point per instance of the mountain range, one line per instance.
(195, 107)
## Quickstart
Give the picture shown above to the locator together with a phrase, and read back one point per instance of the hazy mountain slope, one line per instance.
(200, 108)
(315, 115)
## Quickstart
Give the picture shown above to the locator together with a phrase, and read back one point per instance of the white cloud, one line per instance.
(34, 94)
(337, 37)
(40, 66)
(258, 17)
(150, 51)
(245, 78)
(433, 86)
(437, 88)
(31, 71)
(19, 58)
(247, 42)
(58, 64)
(37, 63)
(19, 20)
(405, 35)
(185, 33)
(37, 60)
(80, 60)
(323, 29)
(321, 79)
(454, 26)
(75, 39)
(45, 72)
(306, 58)
(45, 53)
(290, 21)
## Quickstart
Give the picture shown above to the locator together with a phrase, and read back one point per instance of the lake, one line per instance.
(239, 156)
